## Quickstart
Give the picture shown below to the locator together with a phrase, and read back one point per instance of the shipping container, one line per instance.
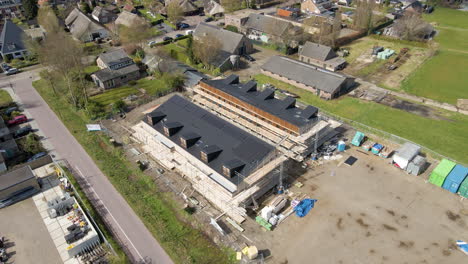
(439, 174)
(455, 178)
(463, 190)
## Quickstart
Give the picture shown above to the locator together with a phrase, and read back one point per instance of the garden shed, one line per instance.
(439, 174)
(455, 178)
(405, 154)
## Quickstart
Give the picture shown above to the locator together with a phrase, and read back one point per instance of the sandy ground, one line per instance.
(27, 238)
(369, 213)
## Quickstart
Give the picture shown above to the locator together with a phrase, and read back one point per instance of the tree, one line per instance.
(231, 5)
(363, 16)
(85, 8)
(175, 13)
(48, 20)
(190, 53)
(412, 27)
(136, 33)
(30, 8)
(206, 49)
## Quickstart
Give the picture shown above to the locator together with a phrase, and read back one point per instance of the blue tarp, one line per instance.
(304, 207)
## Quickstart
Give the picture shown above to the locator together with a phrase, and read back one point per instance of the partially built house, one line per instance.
(293, 130)
(224, 163)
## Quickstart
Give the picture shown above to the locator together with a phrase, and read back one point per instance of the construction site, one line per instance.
(265, 177)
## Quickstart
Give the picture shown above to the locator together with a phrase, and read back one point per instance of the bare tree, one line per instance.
(412, 27)
(136, 33)
(206, 49)
(174, 11)
(47, 19)
(231, 5)
(363, 16)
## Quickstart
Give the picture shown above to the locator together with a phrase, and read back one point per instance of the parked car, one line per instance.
(167, 38)
(392, 67)
(11, 110)
(151, 43)
(36, 156)
(17, 120)
(5, 66)
(248, 57)
(189, 32)
(208, 19)
(183, 25)
(22, 132)
(178, 35)
(160, 171)
(11, 71)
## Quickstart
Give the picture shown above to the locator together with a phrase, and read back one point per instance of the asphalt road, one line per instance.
(126, 225)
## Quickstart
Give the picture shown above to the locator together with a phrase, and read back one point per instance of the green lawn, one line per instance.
(167, 221)
(444, 76)
(448, 17)
(153, 87)
(5, 98)
(445, 137)
(113, 95)
(91, 69)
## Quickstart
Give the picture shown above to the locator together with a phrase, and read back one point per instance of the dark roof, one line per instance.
(15, 177)
(229, 40)
(284, 109)
(304, 73)
(114, 57)
(317, 51)
(216, 136)
(11, 38)
(266, 24)
(108, 74)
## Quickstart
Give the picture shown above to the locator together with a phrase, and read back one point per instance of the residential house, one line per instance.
(10, 9)
(11, 41)
(187, 6)
(323, 83)
(270, 29)
(84, 28)
(116, 69)
(231, 44)
(239, 17)
(213, 8)
(321, 56)
(103, 15)
(315, 6)
(413, 6)
(345, 2)
(127, 19)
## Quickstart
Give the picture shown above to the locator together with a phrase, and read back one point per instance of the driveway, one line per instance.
(137, 241)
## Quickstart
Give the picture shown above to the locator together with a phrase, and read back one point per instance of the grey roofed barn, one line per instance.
(108, 74)
(284, 109)
(212, 136)
(306, 74)
(230, 40)
(268, 25)
(114, 57)
(317, 51)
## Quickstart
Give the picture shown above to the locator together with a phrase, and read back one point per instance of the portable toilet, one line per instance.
(455, 178)
(439, 174)
(341, 146)
(463, 190)
(357, 140)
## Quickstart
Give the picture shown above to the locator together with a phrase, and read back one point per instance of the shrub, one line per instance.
(30, 144)
(140, 53)
(119, 106)
(132, 82)
(15, 113)
(95, 110)
(232, 28)
(217, 72)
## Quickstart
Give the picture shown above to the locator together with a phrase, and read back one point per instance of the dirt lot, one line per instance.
(369, 213)
(28, 240)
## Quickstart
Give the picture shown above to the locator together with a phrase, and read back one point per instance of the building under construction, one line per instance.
(224, 163)
(296, 132)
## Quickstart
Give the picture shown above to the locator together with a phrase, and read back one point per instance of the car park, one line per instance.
(36, 156)
(167, 38)
(22, 132)
(17, 120)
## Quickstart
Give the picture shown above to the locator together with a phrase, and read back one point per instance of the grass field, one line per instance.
(113, 95)
(5, 98)
(447, 137)
(169, 225)
(91, 69)
(444, 77)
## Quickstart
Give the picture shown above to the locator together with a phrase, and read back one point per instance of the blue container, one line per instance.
(341, 146)
(455, 178)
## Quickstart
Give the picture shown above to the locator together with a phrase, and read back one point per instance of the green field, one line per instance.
(5, 98)
(110, 96)
(166, 220)
(447, 137)
(444, 77)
